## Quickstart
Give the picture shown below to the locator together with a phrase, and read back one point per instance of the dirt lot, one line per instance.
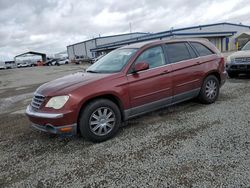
(187, 145)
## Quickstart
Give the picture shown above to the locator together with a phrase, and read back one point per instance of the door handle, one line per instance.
(165, 72)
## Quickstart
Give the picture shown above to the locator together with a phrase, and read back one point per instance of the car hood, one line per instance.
(240, 54)
(68, 83)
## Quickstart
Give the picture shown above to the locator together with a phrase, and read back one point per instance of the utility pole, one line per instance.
(130, 27)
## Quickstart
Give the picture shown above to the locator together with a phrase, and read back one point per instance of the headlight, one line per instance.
(230, 59)
(57, 102)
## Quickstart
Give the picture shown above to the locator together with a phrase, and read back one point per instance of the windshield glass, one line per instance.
(112, 62)
(247, 46)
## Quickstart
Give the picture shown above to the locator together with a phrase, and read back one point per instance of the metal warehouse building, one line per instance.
(223, 35)
(82, 49)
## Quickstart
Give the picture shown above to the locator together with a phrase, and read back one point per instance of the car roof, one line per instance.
(155, 42)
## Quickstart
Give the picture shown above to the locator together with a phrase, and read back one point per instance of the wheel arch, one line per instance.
(107, 96)
(214, 73)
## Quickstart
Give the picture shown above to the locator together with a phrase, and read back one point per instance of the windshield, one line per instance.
(112, 62)
(247, 46)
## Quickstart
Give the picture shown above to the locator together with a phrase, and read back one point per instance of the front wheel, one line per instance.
(100, 120)
(210, 90)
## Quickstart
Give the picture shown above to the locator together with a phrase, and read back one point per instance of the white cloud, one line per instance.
(50, 25)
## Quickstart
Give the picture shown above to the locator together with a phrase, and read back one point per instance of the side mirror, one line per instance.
(140, 67)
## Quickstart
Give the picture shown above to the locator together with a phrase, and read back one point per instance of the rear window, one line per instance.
(177, 52)
(201, 49)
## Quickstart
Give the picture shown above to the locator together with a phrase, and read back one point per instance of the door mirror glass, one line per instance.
(140, 66)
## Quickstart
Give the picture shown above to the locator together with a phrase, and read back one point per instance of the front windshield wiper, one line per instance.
(91, 71)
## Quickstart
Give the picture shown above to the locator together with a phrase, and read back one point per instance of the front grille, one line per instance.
(241, 67)
(37, 101)
(242, 60)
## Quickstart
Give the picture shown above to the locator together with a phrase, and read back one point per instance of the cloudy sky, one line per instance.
(50, 25)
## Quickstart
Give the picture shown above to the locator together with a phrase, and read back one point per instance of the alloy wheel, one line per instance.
(211, 89)
(102, 121)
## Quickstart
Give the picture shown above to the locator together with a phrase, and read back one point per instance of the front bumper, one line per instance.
(32, 113)
(69, 129)
(56, 123)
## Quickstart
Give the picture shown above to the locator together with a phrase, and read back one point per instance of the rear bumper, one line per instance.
(223, 78)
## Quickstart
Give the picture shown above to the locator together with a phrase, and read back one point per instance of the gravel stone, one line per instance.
(186, 145)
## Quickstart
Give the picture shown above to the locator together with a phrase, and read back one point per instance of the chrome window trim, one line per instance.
(165, 65)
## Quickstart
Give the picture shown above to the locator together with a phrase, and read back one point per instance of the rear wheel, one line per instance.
(210, 90)
(100, 120)
(232, 74)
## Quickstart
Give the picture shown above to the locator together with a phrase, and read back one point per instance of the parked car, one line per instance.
(26, 63)
(56, 61)
(239, 62)
(63, 61)
(51, 61)
(128, 82)
(82, 59)
(10, 64)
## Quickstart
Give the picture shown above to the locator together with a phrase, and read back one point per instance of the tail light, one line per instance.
(222, 63)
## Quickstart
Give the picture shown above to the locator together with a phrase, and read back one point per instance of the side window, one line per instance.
(201, 49)
(177, 52)
(191, 51)
(153, 56)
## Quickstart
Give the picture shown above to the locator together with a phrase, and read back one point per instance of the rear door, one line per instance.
(186, 73)
(207, 57)
(151, 88)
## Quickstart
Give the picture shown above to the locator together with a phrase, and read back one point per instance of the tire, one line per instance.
(232, 74)
(210, 90)
(93, 123)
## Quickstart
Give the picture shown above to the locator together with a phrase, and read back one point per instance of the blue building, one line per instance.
(223, 35)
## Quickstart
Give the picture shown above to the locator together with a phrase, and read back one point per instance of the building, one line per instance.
(30, 58)
(242, 39)
(223, 35)
(82, 49)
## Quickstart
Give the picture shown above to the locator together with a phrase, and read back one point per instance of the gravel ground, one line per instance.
(187, 145)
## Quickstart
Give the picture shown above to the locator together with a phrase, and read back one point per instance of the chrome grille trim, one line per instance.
(242, 60)
(37, 101)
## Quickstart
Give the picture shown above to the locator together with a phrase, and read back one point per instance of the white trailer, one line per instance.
(2, 65)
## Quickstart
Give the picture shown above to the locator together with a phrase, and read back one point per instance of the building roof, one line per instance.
(206, 25)
(142, 44)
(244, 34)
(32, 53)
(172, 33)
(109, 36)
(156, 36)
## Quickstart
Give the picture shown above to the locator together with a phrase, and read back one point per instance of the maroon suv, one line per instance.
(128, 82)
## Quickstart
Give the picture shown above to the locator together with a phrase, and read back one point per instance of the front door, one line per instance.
(150, 88)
